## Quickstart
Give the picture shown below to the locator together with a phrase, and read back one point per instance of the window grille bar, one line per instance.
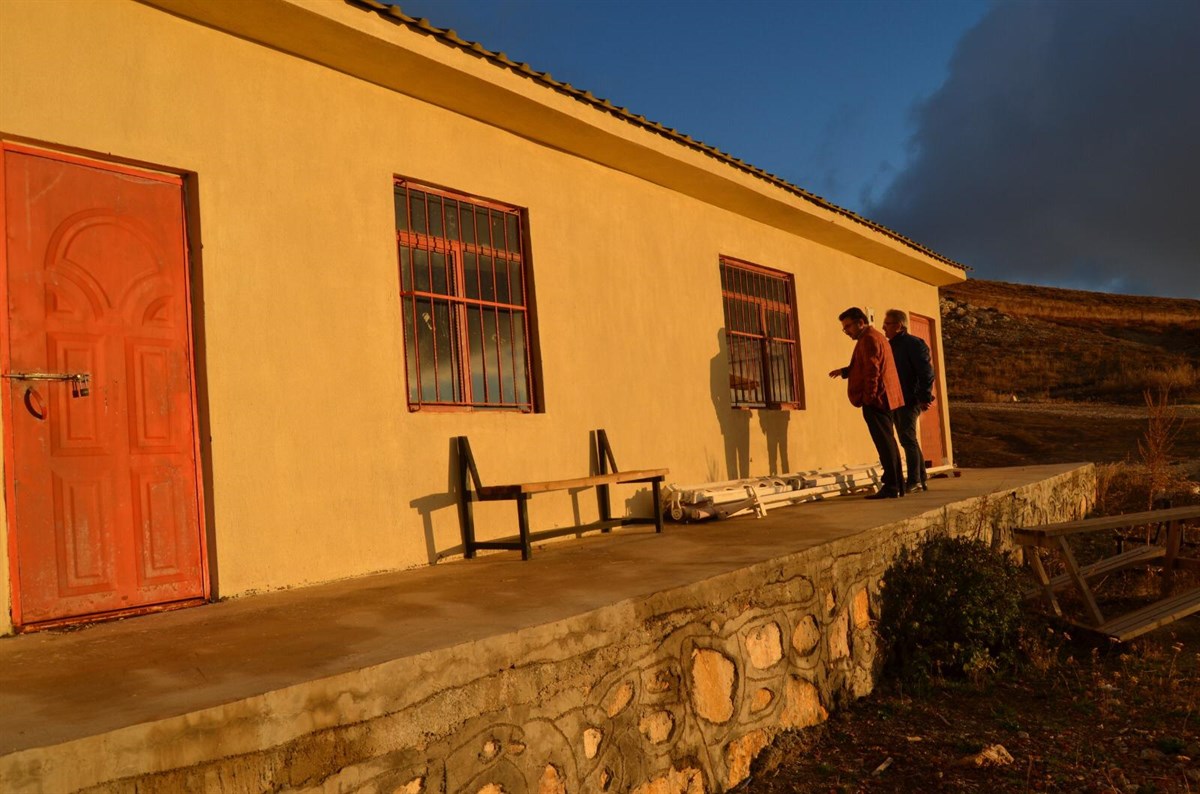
(735, 278)
(526, 325)
(499, 356)
(500, 363)
(417, 350)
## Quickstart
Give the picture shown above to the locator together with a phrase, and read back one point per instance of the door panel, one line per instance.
(933, 439)
(105, 512)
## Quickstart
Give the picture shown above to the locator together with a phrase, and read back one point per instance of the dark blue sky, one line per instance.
(1044, 141)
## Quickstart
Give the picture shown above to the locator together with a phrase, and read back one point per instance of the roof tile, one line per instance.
(450, 38)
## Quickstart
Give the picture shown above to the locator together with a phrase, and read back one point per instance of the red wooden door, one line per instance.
(104, 509)
(933, 434)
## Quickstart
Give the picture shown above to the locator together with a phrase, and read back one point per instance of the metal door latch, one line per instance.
(78, 380)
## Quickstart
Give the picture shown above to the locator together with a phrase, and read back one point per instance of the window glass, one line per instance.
(416, 211)
(487, 278)
(422, 278)
(515, 289)
(436, 228)
(483, 227)
(491, 355)
(467, 219)
(520, 378)
(405, 269)
(501, 280)
(512, 232)
(401, 210)
(498, 241)
(451, 219)
(440, 283)
(475, 340)
(471, 274)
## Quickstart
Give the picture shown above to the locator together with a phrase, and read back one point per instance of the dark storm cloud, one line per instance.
(1064, 148)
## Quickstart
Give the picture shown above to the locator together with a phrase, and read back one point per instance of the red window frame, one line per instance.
(465, 297)
(762, 336)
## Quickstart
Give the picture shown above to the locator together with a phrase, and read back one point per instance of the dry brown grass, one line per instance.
(1039, 343)
(1070, 304)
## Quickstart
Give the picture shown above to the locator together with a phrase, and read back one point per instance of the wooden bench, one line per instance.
(607, 474)
(1124, 627)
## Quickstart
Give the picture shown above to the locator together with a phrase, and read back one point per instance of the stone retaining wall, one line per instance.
(673, 693)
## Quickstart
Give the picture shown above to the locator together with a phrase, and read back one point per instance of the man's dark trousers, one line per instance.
(906, 427)
(882, 428)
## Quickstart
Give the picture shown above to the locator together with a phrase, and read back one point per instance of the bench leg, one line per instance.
(466, 520)
(1035, 562)
(1081, 585)
(523, 522)
(658, 513)
(1174, 538)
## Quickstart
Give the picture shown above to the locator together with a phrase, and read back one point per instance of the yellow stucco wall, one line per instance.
(319, 471)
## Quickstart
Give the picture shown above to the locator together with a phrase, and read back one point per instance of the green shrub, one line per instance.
(951, 607)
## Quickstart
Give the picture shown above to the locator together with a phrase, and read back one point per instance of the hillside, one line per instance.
(1052, 303)
(1043, 375)
(1041, 343)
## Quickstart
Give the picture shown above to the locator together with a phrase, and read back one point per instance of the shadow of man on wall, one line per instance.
(735, 422)
(774, 425)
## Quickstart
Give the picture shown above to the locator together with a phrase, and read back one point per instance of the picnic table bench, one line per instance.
(607, 474)
(1053, 537)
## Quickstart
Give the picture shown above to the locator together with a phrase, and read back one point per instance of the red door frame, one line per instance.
(166, 176)
(943, 431)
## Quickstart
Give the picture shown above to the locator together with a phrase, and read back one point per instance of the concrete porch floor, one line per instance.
(61, 687)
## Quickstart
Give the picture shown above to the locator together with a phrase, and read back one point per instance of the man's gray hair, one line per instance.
(897, 315)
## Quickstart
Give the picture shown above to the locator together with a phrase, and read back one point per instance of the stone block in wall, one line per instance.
(740, 752)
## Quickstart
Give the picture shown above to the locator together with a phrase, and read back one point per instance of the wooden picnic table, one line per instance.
(1167, 554)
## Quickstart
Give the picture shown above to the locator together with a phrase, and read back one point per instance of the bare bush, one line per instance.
(1157, 445)
(1117, 486)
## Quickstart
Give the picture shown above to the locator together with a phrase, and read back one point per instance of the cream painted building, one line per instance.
(298, 246)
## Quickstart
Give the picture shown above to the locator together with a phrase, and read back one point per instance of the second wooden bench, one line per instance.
(1053, 537)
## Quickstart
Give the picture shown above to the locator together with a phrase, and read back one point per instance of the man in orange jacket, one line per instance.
(874, 386)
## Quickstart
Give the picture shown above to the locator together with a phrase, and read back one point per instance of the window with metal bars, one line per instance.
(761, 335)
(465, 293)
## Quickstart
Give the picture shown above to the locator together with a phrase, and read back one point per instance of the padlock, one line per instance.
(74, 387)
(83, 387)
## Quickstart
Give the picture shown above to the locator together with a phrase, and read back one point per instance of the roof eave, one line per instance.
(409, 56)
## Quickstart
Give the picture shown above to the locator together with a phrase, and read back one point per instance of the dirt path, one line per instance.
(1074, 409)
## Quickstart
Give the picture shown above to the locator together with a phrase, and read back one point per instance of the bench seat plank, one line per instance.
(511, 491)
(1031, 535)
(1148, 618)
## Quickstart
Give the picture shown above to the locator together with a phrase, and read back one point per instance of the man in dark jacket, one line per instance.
(915, 369)
(875, 388)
